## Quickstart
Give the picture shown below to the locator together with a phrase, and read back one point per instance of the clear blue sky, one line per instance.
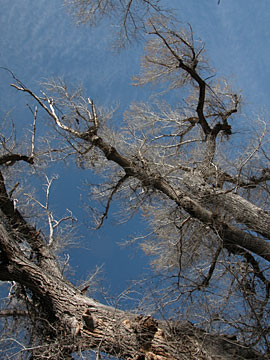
(38, 40)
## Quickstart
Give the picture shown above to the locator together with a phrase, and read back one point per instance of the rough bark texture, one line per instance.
(87, 324)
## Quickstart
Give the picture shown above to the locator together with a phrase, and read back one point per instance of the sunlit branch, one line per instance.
(253, 152)
(52, 222)
(34, 131)
(49, 110)
(22, 230)
(94, 116)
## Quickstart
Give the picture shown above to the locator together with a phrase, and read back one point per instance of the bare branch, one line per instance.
(115, 189)
(11, 159)
(13, 313)
(49, 110)
(207, 279)
(52, 222)
(34, 131)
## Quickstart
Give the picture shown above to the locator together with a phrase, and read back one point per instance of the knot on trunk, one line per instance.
(145, 328)
(89, 321)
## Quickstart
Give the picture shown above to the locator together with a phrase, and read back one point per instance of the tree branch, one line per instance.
(13, 313)
(228, 233)
(194, 75)
(115, 189)
(20, 228)
(10, 159)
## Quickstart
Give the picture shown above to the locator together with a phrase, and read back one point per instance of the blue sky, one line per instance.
(39, 40)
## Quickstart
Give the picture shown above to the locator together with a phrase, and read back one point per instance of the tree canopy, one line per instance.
(200, 189)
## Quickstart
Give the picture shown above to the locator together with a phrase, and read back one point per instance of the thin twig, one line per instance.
(116, 187)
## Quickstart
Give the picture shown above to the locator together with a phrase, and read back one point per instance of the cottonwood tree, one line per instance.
(201, 188)
(128, 17)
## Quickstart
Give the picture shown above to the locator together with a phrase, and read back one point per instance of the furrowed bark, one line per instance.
(87, 324)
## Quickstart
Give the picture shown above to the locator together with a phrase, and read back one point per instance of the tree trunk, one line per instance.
(81, 323)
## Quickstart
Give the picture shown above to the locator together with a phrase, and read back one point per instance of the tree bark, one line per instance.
(82, 323)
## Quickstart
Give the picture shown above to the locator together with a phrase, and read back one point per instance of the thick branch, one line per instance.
(195, 76)
(10, 159)
(228, 233)
(242, 210)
